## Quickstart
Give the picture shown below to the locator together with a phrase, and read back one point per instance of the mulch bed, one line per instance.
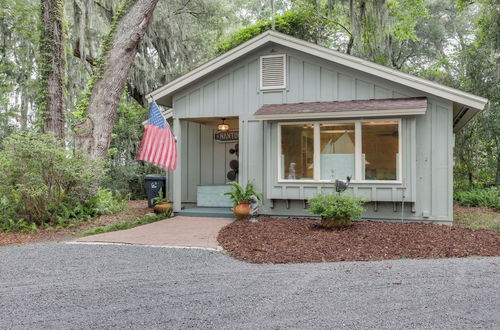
(302, 240)
(134, 210)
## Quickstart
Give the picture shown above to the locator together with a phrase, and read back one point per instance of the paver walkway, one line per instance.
(177, 231)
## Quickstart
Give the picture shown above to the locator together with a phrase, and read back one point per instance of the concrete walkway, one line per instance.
(177, 232)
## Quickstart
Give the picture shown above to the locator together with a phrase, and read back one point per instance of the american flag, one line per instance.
(158, 144)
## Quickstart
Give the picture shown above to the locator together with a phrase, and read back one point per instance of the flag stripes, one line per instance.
(158, 143)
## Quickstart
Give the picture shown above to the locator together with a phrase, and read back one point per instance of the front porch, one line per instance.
(208, 160)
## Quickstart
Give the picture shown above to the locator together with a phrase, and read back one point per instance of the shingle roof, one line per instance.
(327, 107)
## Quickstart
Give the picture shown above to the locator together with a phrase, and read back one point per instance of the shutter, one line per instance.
(272, 72)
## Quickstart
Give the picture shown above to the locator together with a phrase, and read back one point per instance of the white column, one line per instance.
(317, 152)
(358, 152)
(177, 175)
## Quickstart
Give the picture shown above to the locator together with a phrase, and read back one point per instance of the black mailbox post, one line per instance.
(153, 184)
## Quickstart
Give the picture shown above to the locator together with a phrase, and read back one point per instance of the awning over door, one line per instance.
(344, 109)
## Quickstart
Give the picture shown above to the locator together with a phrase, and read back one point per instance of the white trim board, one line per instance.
(378, 70)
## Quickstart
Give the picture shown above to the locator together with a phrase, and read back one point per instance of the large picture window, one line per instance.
(297, 152)
(365, 150)
(380, 150)
(337, 151)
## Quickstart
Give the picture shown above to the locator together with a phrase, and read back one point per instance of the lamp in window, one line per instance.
(223, 127)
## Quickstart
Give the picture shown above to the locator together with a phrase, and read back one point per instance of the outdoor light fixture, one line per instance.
(223, 127)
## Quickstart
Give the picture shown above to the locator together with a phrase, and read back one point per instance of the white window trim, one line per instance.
(357, 152)
(264, 88)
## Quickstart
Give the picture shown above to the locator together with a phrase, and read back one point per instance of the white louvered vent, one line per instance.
(272, 72)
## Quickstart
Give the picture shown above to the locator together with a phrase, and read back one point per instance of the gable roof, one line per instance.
(465, 101)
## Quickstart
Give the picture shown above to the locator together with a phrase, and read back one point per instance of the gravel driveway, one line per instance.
(107, 286)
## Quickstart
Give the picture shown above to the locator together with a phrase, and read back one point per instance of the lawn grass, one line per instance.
(150, 218)
(477, 217)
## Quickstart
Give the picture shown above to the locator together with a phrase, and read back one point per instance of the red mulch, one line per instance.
(302, 240)
(134, 210)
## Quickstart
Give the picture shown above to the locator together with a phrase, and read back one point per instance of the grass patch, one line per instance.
(477, 218)
(150, 218)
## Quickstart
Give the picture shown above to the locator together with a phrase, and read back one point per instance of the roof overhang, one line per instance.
(345, 109)
(163, 95)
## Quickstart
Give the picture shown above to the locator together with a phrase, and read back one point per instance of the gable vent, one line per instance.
(272, 72)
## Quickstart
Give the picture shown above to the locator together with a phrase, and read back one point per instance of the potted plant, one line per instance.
(336, 210)
(241, 198)
(162, 204)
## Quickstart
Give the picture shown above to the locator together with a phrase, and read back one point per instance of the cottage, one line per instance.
(293, 116)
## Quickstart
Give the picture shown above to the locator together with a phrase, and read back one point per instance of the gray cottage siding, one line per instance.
(427, 140)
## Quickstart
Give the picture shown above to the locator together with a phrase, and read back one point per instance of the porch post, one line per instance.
(177, 184)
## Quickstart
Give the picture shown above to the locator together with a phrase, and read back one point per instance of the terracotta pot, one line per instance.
(242, 210)
(335, 223)
(162, 207)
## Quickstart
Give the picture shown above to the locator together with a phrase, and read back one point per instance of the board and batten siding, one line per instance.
(427, 140)
(203, 160)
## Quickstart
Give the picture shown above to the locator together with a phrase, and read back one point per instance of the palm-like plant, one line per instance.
(239, 194)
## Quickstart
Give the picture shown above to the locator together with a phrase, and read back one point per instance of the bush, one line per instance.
(489, 197)
(106, 202)
(339, 209)
(43, 183)
(302, 24)
(239, 193)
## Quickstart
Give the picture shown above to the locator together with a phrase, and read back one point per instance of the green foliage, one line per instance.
(477, 146)
(107, 202)
(42, 183)
(337, 207)
(489, 197)
(80, 110)
(19, 22)
(406, 14)
(19, 225)
(161, 198)
(239, 194)
(150, 218)
(125, 174)
(301, 24)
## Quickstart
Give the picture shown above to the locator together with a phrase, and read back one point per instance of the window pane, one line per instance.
(380, 145)
(297, 149)
(337, 151)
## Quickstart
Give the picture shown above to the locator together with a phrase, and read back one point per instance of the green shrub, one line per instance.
(20, 225)
(107, 202)
(336, 207)
(302, 24)
(239, 194)
(489, 197)
(44, 183)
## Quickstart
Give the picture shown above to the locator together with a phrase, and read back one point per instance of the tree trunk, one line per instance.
(94, 134)
(52, 67)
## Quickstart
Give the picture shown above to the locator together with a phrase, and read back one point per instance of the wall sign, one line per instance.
(227, 137)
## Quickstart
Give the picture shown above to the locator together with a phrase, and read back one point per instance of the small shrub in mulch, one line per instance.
(302, 240)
